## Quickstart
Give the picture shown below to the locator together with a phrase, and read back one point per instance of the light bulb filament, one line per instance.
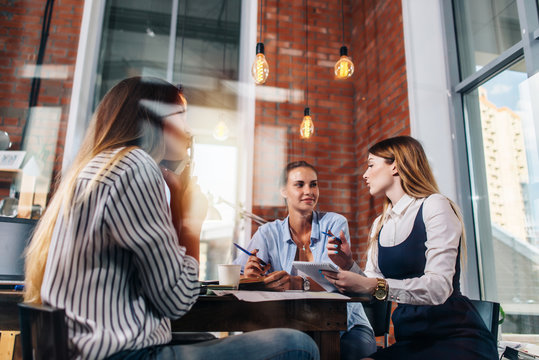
(306, 128)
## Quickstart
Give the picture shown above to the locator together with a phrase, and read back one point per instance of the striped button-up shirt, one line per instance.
(114, 262)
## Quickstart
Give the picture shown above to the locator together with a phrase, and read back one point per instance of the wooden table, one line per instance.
(322, 319)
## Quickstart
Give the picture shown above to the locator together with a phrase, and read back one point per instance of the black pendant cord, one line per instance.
(36, 80)
(342, 15)
(306, 56)
(261, 19)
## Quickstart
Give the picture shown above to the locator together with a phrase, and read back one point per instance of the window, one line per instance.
(501, 129)
(195, 44)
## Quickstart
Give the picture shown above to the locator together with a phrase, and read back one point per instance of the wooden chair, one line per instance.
(43, 332)
(379, 315)
(490, 313)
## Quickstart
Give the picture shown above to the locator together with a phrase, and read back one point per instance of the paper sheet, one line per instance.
(258, 296)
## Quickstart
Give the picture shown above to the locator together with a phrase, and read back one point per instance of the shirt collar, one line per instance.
(315, 228)
(402, 205)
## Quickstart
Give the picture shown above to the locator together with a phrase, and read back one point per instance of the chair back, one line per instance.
(490, 313)
(379, 315)
(43, 332)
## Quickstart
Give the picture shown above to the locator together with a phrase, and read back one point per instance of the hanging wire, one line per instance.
(261, 19)
(225, 37)
(342, 14)
(183, 35)
(36, 79)
(306, 56)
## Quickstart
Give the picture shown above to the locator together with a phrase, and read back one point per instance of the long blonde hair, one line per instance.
(122, 120)
(416, 178)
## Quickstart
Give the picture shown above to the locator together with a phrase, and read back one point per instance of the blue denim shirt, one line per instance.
(276, 247)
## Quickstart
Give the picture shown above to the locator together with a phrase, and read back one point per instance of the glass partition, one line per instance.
(200, 51)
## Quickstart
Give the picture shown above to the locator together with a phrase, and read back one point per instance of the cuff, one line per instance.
(395, 294)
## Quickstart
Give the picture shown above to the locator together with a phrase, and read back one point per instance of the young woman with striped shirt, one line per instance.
(112, 253)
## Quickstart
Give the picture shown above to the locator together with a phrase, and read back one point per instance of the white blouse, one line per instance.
(443, 236)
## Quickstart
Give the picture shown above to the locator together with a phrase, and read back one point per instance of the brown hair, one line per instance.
(293, 165)
(129, 116)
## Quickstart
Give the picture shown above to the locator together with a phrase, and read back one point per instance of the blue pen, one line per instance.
(336, 238)
(262, 262)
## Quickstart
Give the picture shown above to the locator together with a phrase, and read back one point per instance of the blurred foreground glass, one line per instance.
(203, 53)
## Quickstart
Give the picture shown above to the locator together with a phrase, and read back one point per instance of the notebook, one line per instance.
(312, 270)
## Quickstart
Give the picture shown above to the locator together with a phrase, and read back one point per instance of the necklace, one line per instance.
(297, 239)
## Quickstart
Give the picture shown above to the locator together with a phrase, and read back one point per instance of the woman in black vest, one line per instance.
(415, 247)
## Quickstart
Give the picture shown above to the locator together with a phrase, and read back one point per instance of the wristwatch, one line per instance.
(381, 290)
(306, 283)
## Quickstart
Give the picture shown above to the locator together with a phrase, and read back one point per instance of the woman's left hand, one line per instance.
(350, 282)
(278, 280)
(339, 251)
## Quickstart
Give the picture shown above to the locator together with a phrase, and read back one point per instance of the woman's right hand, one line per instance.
(253, 268)
(350, 282)
(187, 204)
(339, 251)
(188, 207)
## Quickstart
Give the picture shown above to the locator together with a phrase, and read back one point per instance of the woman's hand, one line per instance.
(187, 200)
(278, 280)
(350, 282)
(188, 206)
(253, 268)
(339, 251)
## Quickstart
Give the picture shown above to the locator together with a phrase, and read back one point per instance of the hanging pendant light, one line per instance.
(306, 129)
(260, 68)
(344, 68)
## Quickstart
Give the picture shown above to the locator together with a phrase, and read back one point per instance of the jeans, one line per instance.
(357, 343)
(275, 344)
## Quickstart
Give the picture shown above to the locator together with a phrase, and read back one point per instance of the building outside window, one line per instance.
(497, 46)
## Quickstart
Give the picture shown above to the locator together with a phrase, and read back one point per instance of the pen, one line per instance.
(262, 262)
(336, 238)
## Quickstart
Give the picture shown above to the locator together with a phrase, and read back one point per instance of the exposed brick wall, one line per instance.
(331, 150)
(380, 99)
(20, 34)
(381, 95)
(349, 116)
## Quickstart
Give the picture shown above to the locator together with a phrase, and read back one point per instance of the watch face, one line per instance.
(306, 285)
(380, 294)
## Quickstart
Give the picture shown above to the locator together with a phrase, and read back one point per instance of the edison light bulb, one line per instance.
(344, 68)
(260, 69)
(306, 129)
(220, 131)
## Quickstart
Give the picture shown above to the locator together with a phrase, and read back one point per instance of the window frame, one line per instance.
(528, 50)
